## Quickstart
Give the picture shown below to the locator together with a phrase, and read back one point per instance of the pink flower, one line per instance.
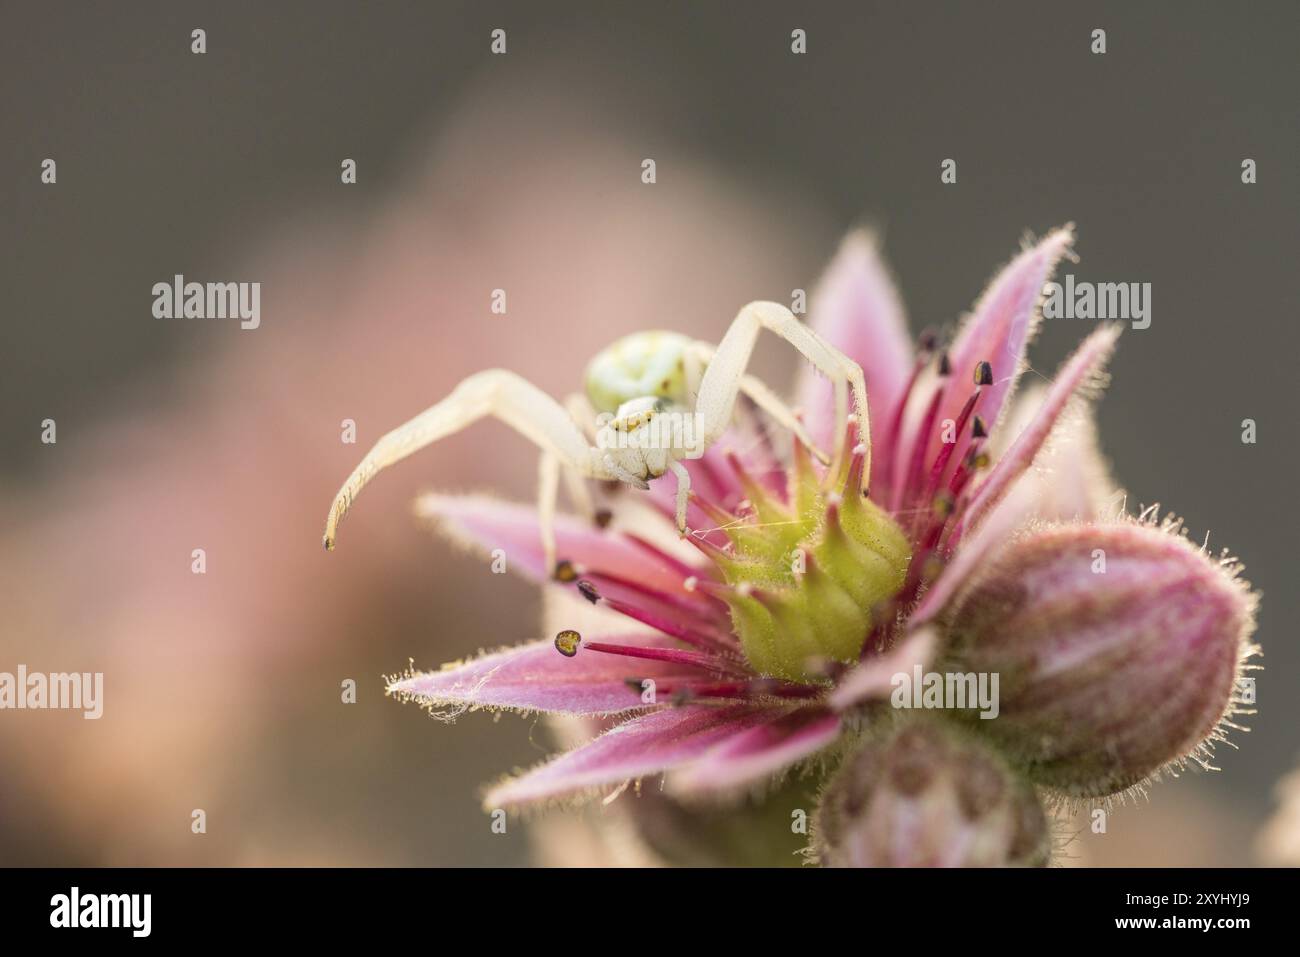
(779, 637)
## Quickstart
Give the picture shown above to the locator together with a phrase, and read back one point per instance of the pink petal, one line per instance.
(856, 308)
(873, 678)
(974, 552)
(1070, 479)
(998, 331)
(1075, 378)
(536, 677)
(1079, 486)
(484, 524)
(758, 752)
(647, 744)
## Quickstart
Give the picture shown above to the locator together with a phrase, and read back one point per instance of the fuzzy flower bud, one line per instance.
(1119, 650)
(929, 793)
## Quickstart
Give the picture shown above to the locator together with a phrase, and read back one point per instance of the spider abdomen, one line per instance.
(644, 364)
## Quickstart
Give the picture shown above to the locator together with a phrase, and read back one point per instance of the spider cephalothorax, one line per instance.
(641, 389)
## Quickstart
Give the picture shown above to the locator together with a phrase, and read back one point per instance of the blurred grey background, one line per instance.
(226, 166)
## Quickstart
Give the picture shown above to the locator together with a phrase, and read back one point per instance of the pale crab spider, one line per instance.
(633, 382)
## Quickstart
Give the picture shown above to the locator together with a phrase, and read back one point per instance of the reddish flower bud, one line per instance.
(1119, 649)
(929, 793)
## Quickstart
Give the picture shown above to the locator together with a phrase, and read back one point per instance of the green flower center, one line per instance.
(810, 576)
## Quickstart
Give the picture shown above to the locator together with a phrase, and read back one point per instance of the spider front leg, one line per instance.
(548, 494)
(723, 378)
(683, 493)
(497, 393)
(579, 408)
(768, 401)
(550, 470)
